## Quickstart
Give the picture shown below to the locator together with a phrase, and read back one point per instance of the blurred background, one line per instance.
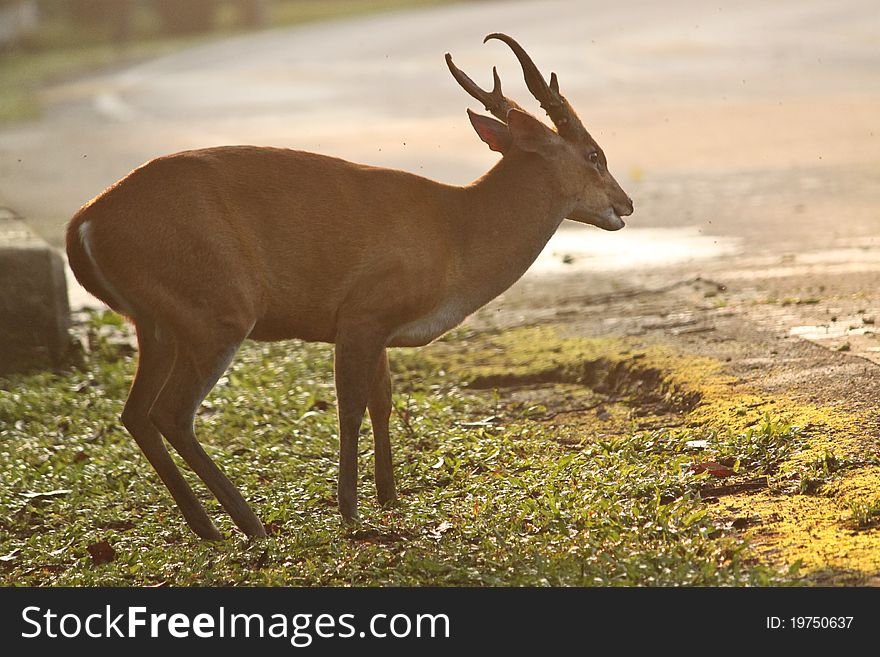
(745, 131)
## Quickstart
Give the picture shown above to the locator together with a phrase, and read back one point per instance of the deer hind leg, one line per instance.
(203, 354)
(380, 411)
(155, 360)
(357, 356)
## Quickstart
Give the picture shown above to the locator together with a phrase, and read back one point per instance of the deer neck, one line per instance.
(511, 214)
(501, 223)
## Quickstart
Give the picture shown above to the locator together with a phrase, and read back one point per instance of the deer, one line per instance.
(205, 248)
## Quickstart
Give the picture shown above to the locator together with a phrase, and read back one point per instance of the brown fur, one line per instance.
(207, 247)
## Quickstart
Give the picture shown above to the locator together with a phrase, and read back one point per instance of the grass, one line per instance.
(816, 475)
(61, 51)
(760, 449)
(498, 501)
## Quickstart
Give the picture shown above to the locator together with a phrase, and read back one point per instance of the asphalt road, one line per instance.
(745, 131)
(670, 89)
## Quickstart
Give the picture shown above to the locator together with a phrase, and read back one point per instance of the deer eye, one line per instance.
(594, 159)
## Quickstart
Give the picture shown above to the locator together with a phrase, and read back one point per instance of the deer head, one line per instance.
(578, 162)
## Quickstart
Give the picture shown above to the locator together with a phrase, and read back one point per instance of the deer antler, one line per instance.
(557, 107)
(494, 101)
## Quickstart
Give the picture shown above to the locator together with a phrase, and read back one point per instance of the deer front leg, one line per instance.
(356, 359)
(380, 411)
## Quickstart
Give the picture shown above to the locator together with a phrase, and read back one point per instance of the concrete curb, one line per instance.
(34, 310)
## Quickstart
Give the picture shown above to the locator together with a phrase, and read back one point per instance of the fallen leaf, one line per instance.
(306, 416)
(101, 552)
(274, 527)
(11, 555)
(60, 492)
(441, 529)
(95, 437)
(372, 535)
(486, 422)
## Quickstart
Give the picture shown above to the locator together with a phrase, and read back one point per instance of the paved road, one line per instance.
(745, 131)
(670, 89)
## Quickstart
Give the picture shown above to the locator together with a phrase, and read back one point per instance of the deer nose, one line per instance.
(626, 209)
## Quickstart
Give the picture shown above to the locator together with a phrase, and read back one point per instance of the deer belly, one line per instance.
(429, 327)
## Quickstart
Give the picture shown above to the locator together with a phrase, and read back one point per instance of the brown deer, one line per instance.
(202, 249)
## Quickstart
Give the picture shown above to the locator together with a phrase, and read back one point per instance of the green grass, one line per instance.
(490, 504)
(760, 449)
(62, 51)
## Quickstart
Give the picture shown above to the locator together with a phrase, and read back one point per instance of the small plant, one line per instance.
(865, 515)
(817, 473)
(761, 448)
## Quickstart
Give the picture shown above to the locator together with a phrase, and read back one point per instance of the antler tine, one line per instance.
(557, 107)
(495, 101)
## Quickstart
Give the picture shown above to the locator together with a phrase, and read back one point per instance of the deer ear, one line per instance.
(530, 134)
(493, 132)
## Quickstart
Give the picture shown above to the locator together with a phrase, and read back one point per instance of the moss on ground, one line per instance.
(821, 478)
(586, 467)
(486, 497)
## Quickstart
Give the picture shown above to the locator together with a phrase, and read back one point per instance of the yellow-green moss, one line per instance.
(815, 530)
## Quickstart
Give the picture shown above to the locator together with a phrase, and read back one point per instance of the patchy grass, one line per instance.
(488, 496)
(802, 473)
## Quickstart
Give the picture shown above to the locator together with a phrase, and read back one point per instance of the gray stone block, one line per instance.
(34, 311)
